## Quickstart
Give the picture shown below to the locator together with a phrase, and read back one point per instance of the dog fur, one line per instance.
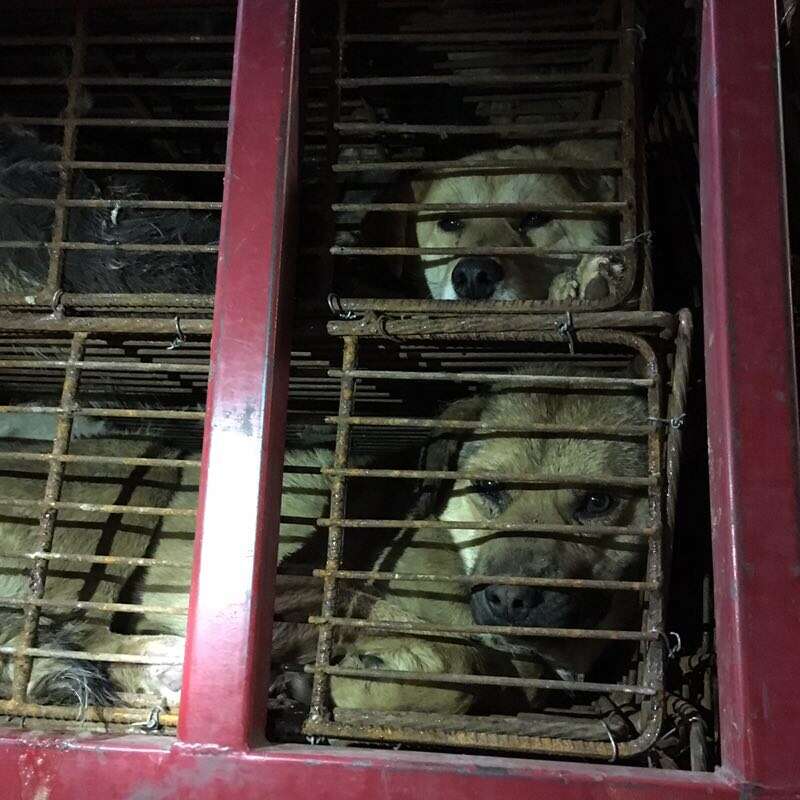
(446, 551)
(557, 278)
(480, 552)
(66, 680)
(27, 170)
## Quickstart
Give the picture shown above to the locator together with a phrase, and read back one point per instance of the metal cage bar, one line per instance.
(47, 522)
(239, 501)
(751, 388)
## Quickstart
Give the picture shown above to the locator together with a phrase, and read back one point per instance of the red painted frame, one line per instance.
(753, 438)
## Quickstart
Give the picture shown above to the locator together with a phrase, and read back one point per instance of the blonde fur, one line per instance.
(555, 277)
(444, 551)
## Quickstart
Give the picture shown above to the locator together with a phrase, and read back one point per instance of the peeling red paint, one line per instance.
(138, 768)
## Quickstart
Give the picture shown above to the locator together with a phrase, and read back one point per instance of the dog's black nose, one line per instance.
(505, 605)
(476, 278)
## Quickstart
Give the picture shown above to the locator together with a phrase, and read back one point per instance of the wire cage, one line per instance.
(419, 112)
(124, 118)
(114, 129)
(85, 416)
(593, 362)
(752, 424)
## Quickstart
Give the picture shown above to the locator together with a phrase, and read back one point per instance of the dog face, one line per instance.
(508, 277)
(565, 555)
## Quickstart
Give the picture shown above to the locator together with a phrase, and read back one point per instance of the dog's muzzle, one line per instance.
(476, 278)
(524, 606)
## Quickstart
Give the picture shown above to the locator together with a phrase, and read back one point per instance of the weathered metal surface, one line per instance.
(153, 768)
(428, 629)
(751, 391)
(324, 720)
(442, 167)
(529, 527)
(511, 317)
(109, 716)
(633, 431)
(506, 580)
(319, 700)
(239, 502)
(47, 522)
(51, 767)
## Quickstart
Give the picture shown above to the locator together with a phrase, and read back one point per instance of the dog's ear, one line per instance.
(441, 454)
(594, 184)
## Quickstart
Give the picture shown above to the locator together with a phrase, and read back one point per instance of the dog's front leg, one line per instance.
(595, 278)
(160, 680)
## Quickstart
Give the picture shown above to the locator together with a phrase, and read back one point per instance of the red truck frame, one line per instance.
(220, 750)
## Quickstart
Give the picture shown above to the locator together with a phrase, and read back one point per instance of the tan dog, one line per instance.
(86, 533)
(459, 551)
(128, 535)
(509, 277)
(444, 551)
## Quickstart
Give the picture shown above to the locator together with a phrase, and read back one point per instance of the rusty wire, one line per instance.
(47, 521)
(325, 721)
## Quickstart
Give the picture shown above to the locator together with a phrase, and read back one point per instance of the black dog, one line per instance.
(29, 169)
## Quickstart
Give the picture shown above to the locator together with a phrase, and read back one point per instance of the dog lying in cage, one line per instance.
(556, 276)
(29, 170)
(489, 552)
(448, 551)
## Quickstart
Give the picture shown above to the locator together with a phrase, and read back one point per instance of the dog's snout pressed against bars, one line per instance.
(476, 278)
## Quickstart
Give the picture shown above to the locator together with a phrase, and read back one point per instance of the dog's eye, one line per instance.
(450, 224)
(594, 504)
(493, 493)
(534, 220)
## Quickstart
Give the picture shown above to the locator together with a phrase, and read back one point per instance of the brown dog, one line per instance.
(556, 277)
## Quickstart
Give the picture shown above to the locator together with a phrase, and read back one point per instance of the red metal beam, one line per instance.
(149, 769)
(752, 401)
(227, 655)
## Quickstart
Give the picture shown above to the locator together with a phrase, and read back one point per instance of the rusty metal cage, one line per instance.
(408, 89)
(440, 354)
(146, 384)
(124, 115)
(116, 91)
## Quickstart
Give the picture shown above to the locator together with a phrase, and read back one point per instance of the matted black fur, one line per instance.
(28, 169)
(75, 681)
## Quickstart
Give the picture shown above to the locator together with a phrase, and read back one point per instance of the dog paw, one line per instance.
(598, 277)
(385, 655)
(564, 288)
(159, 680)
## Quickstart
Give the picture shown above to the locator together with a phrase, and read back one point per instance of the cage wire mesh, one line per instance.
(596, 368)
(67, 502)
(113, 135)
(129, 112)
(421, 94)
(113, 131)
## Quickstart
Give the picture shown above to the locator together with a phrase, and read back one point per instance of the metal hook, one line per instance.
(614, 745)
(180, 337)
(645, 236)
(567, 329)
(672, 649)
(380, 322)
(638, 29)
(152, 723)
(56, 307)
(335, 305)
(673, 422)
